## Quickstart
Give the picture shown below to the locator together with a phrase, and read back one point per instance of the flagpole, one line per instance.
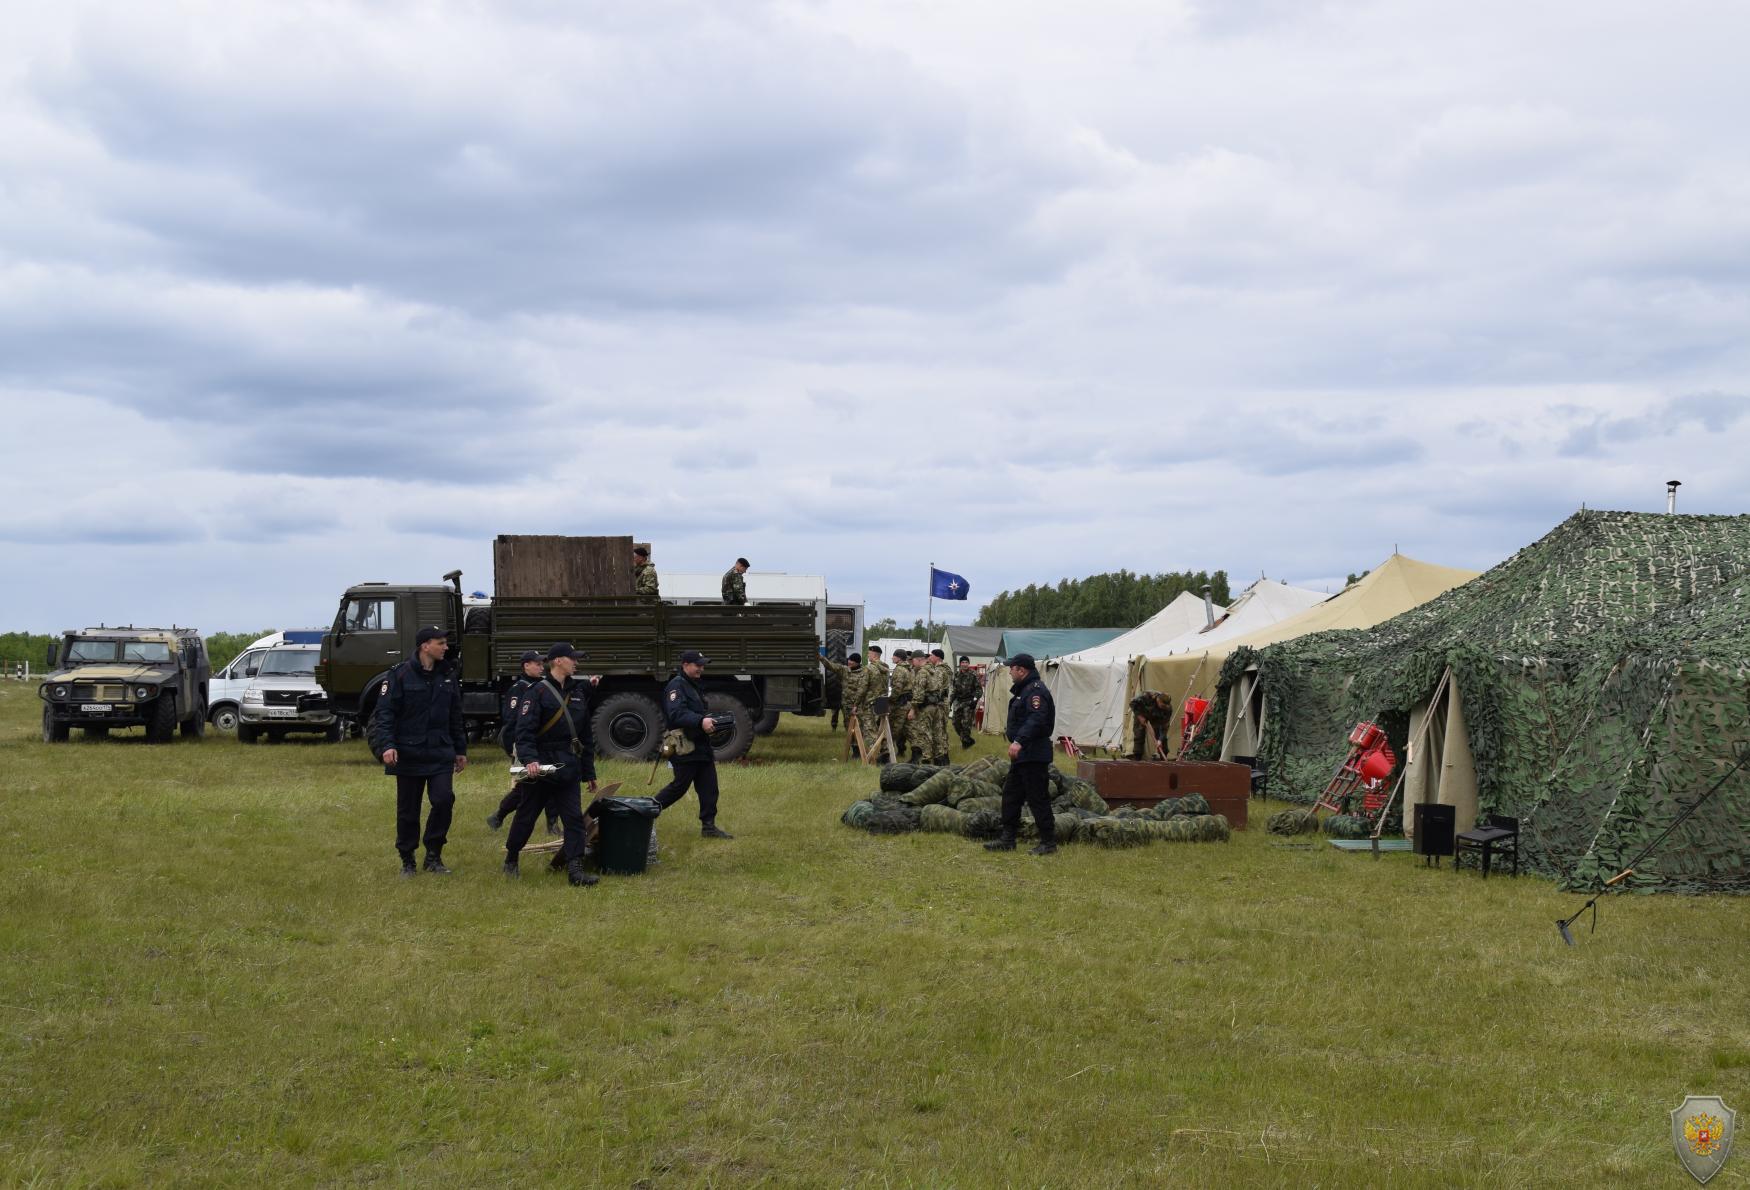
(930, 616)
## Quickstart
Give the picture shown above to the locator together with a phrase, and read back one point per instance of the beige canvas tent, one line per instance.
(1390, 589)
(1089, 686)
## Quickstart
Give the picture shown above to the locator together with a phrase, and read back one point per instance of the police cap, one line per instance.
(1023, 660)
(564, 649)
(528, 656)
(694, 657)
(431, 633)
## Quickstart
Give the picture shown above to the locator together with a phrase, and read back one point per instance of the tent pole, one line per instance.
(1385, 810)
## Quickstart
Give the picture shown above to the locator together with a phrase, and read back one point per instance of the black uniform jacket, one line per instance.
(537, 709)
(419, 714)
(513, 698)
(683, 706)
(1032, 718)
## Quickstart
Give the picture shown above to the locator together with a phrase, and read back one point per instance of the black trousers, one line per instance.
(1027, 783)
(507, 805)
(560, 794)
(698, 775)
(410, 795)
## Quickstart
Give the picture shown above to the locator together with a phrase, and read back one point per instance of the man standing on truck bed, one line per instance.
(418, 731)
(644, 580)
(554, 745)
(690, 725)
(734, 586)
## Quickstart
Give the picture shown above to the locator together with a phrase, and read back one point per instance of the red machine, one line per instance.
(1191, 721)
(1369, 764)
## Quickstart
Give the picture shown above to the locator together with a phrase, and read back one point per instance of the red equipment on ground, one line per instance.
(1191, 720)
(1369, 763)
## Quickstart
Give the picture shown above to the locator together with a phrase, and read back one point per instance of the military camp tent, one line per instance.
(983, 645)
(1041, 644)
(1389, 589)
(1089, 686)
(1591, 686)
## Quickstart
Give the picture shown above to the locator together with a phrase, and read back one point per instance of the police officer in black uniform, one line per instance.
(683, 705)
(532, 673)
(1032, 719)
(418, 732)
(553, 733)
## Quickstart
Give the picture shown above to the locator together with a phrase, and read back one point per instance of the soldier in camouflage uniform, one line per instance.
(851, 679)
(1153, 709)
(901, 720)
(734, 586)
(930, 690)
(874, 686)
(965, 692)
(643, 573)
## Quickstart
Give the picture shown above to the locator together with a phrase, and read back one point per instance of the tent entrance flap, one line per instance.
(1441, 769)
(1244, 732)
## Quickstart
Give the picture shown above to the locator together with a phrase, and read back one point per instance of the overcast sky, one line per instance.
(298, 295)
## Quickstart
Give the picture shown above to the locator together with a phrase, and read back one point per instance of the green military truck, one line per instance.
(762, 655)
(103, 678)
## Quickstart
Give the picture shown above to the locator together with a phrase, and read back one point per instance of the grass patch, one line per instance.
(209, 974)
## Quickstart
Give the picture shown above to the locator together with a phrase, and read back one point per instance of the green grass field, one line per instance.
(212, 976)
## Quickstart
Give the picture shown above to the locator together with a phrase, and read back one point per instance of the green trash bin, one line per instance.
(623, 846)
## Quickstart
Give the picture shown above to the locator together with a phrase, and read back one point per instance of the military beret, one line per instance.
(641, 551)
(938, 653)
(965, 660)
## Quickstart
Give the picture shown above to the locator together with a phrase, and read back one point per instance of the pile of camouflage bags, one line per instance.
(967, 800)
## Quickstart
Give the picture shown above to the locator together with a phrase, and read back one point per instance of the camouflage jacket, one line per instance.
(644, 580)
(932, 686)
(734, 587)
(875, 681)
(852, 683)
(966, 686)
(901, 685)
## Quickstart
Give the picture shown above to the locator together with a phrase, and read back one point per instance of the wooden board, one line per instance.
(555, 567)
(1227, 787)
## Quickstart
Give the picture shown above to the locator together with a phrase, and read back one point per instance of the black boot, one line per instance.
(553, 826)
(711, 830)
(966, 741)
(511, 871)
(408, 870)
(917, 756)
(493, 821)
(434, 863)
(1046, 847)
(942, 761)
(1006, 842)
(574, 872)
(557, 863)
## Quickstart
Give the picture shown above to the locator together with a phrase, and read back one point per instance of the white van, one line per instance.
(225, 690)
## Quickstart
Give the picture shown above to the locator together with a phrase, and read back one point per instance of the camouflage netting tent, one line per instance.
(967, 800)
(1593, 686)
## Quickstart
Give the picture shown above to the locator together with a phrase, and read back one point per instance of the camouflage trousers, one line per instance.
(929, 731)
(902, 728)
(1139, 749)
(962, 719)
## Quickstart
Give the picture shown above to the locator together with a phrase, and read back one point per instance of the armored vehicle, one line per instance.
(103, 678)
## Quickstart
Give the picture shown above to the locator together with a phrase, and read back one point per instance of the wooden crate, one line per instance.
(547, 566)
(1226, 787)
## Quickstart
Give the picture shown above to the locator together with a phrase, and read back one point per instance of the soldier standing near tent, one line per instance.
(644, 580)
(734, 586)
(874, 687)
(930, 692)
(902, 717)
(1032, 719)
(965, 691)
(1151, 709)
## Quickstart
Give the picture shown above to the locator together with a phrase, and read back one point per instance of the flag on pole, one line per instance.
(944, 585)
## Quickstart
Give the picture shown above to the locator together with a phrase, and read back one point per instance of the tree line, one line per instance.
(1117, 600)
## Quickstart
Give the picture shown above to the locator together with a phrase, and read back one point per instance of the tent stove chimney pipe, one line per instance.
(1671, 486)
(1208, 607)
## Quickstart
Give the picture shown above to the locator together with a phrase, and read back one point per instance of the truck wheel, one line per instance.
(224, 717)
(730, 743)
(161, 723)
(627, 726)
(767, 723)
(245, 733)
(54, 730)
(195, 726)
(97, 733)
(334, 732)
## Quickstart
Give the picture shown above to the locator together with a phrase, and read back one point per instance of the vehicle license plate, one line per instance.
(94, 708)
(282, 712)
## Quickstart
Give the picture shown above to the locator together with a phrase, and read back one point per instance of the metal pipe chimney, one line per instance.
(1671, 486)
(1208, 607)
